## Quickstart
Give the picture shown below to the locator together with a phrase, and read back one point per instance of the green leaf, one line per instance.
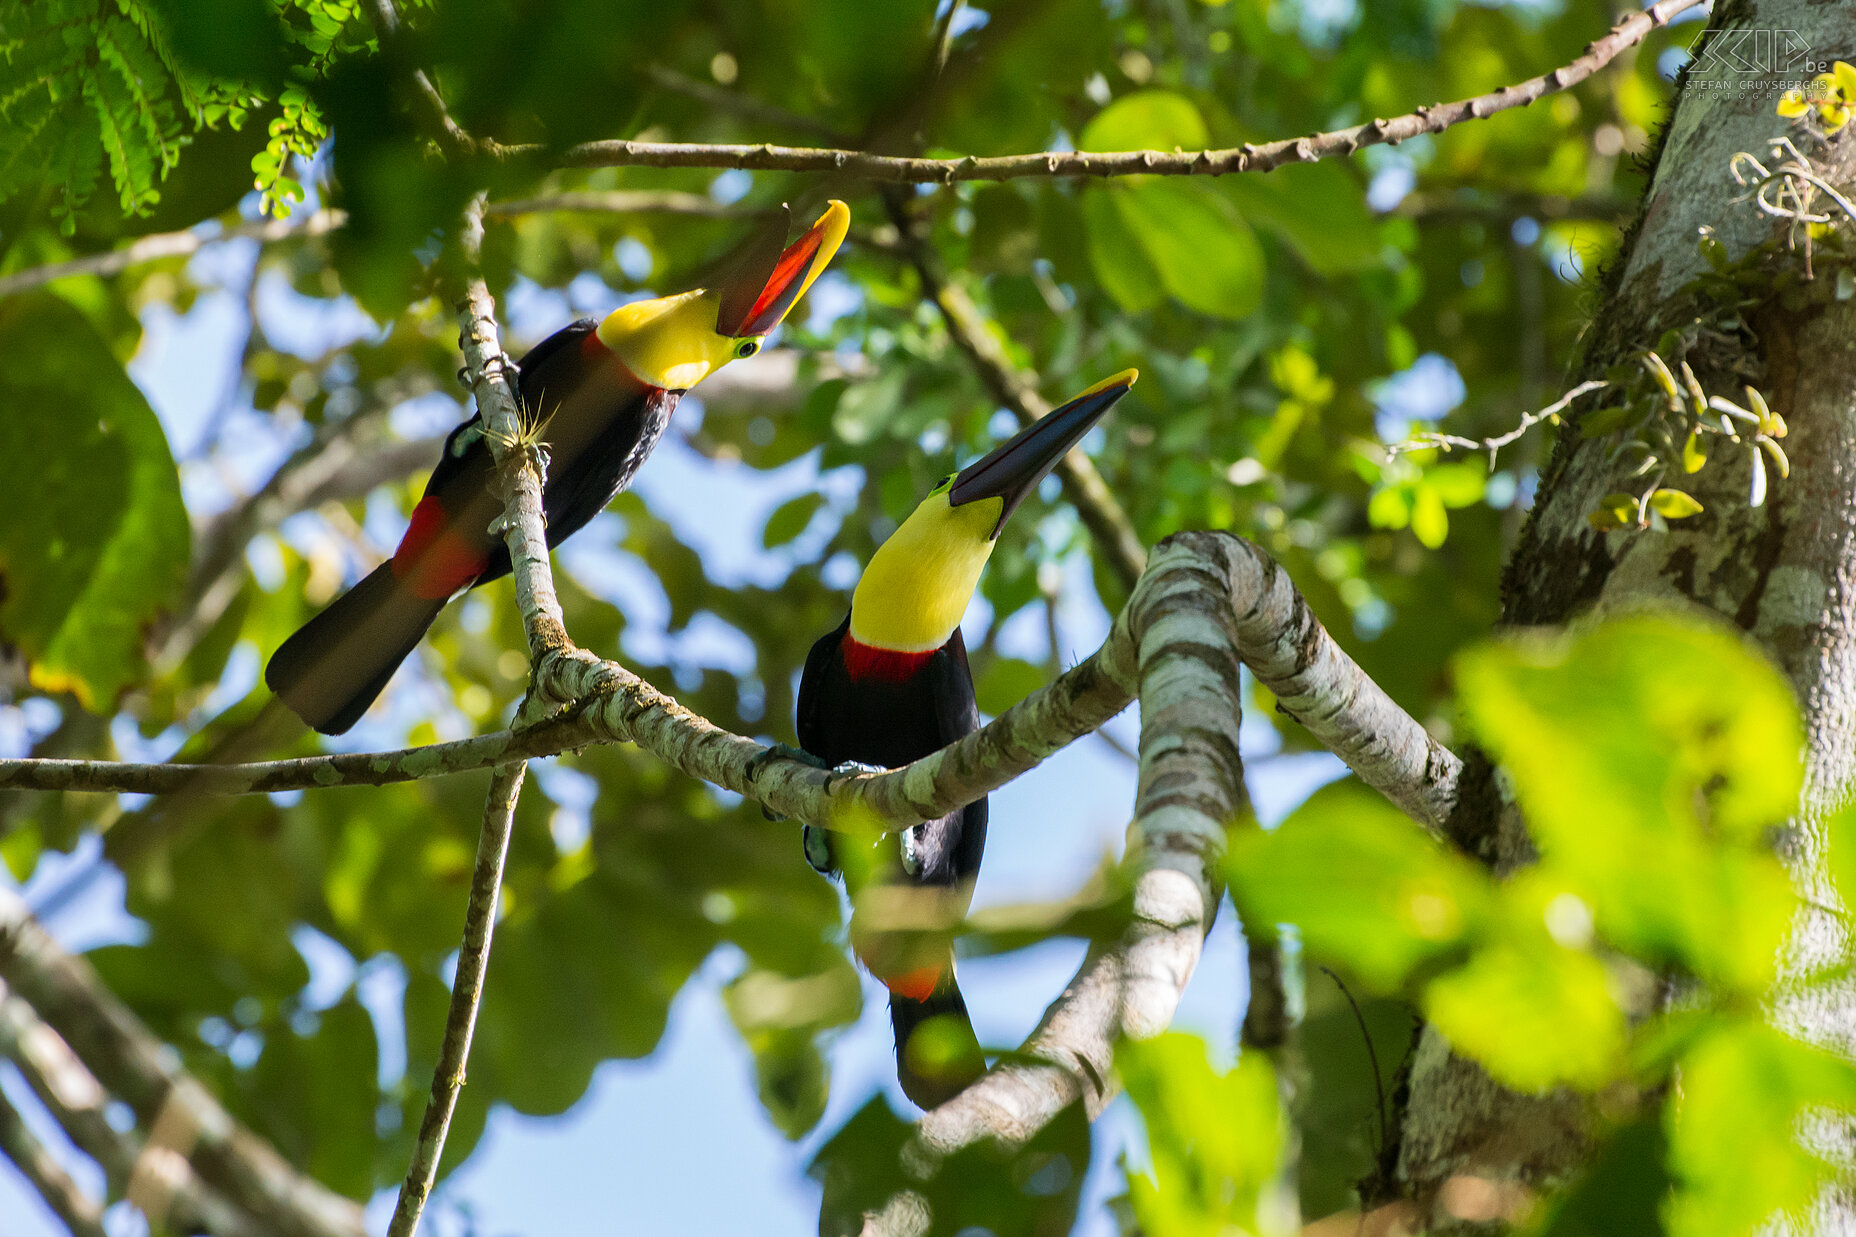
(1674, 504)
(1318, 209)
(1428, 519)
(1147, 120)
(1213, 1139)
(1691, 743)
(864, 407)
(1734, 1146)
(95, 541)
(1533, 1014)
(790, 519)
(1204, 253)
(1602, 421)
(1389, 507)
(1458, 485)
(1620, 1193)
(1117, 255)
(779, 1019)
(1399, 900)
(1029, 1188)
(1007, 681)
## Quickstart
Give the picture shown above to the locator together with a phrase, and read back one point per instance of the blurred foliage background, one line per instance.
(1287, 327)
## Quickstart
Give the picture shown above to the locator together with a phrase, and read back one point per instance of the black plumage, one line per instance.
(600, 423)
(884, 709)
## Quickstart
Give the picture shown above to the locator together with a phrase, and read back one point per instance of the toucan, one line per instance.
(600, 393)
(891, 685)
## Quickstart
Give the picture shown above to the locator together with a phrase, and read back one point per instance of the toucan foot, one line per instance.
(817, 843)
(850, 768)
(781, 751)
(911, 840)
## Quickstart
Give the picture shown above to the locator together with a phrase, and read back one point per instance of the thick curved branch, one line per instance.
(1246, 158)
(1191, 791)
(1207, 604)
(131, 1063)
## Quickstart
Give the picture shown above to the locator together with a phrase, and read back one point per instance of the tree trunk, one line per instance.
(1784, 572)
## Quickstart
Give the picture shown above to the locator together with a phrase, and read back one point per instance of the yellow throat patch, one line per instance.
(669, 341)
(915, 591)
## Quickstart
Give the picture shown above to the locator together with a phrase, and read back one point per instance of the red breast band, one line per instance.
(864, 661)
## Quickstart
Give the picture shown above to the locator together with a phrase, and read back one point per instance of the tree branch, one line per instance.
(1246, 158)
(519, 469)
(75, 1209)
(113, 1044)
(168, 245)
(1191, 791)
(486, 883)
(630, 202)
(1284, 645)
(157, 1179)
(741, 105)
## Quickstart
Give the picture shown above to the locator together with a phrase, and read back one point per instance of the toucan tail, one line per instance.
(937, 1054)
(339, 661)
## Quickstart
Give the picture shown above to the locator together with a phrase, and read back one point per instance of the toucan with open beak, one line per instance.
(891, 685)
(601, 393)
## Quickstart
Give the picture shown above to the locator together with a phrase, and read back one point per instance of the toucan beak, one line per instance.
(1014, 469)
(769, 279)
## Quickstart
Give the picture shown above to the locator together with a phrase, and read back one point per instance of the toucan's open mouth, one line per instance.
(1014, 468)
(770, 278)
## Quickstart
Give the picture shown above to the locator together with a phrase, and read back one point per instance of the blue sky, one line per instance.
(676, 1143)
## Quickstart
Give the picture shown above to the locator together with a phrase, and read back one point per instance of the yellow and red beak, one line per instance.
(773, 275)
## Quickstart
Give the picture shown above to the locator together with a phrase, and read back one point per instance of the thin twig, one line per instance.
(630, 202)
(41, 1169)
(1448, 442)
(744, 106)
(169, 245)
(1372, 1059)
(499, 811)
(519, 467)
(1247, 158)
(451, 138)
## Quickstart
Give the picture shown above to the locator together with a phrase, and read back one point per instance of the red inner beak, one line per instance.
(767, 282)
(782, 286)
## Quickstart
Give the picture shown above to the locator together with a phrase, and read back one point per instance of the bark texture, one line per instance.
(1784, 572)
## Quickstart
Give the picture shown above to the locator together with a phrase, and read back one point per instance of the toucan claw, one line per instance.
(851, 768)
(817, 844)
(780, 751)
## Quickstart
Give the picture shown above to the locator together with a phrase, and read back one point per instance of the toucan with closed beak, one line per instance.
(601, 393)
(891, 685)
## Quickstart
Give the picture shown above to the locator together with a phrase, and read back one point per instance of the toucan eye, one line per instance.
(747, 348)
